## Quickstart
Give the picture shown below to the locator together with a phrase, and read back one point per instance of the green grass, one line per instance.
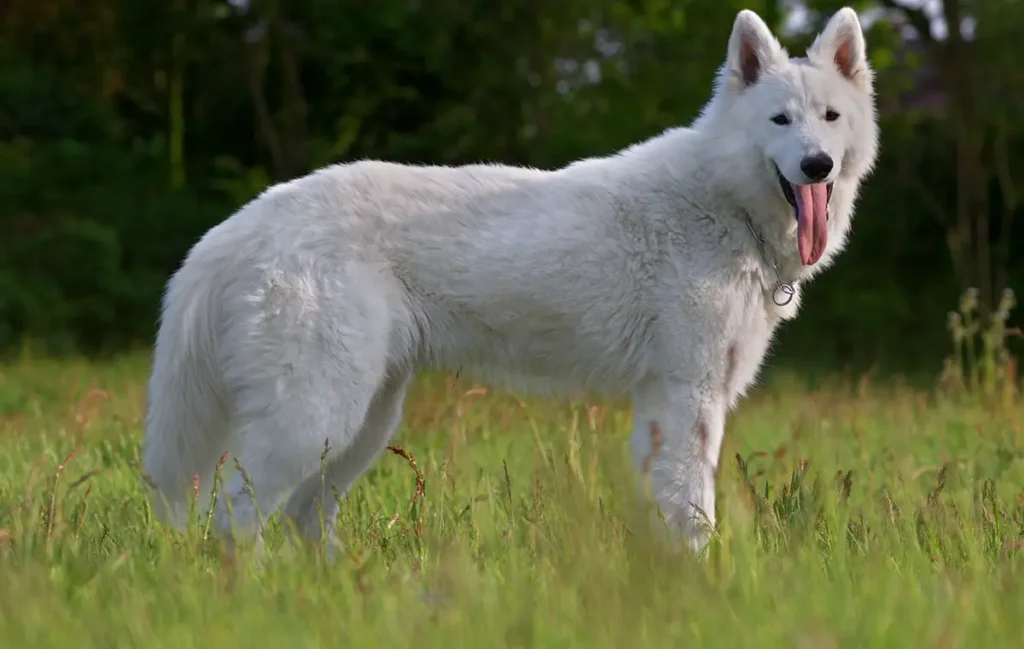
(859, 516)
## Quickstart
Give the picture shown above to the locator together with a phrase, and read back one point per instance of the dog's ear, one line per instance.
(752, 49)
(842, 44)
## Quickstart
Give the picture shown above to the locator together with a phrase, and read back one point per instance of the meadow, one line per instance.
(853, 512)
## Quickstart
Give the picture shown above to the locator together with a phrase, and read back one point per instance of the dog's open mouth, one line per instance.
(787, 191)
(810, 204)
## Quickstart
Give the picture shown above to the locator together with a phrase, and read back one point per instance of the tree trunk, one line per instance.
(972, 214)
(176, 99)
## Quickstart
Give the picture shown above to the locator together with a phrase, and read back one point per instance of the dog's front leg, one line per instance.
(677, 437)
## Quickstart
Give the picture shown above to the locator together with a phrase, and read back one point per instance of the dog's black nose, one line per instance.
(816, 167)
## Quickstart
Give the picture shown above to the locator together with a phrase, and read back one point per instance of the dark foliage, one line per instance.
(127, 129)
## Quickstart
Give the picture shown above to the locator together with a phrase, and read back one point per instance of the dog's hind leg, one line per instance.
(282, 442)
(313, 508)
(300, 383)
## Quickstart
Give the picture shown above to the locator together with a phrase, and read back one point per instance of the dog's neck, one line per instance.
(766, 230)
(776, 242)
(781, 285)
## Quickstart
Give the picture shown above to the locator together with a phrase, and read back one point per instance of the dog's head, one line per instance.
(806, 123)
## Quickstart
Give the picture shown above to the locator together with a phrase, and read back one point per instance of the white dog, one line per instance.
(661, 271)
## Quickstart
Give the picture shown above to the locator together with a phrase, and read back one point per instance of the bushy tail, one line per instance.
(187, 423)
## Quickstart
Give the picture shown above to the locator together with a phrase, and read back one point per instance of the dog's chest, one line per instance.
(748, 339)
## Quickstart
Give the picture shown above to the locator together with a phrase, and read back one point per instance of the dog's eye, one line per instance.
(781, 119)
(831, 115)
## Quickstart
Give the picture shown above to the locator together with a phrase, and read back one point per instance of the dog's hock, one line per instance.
(752, 49)
(842, 44)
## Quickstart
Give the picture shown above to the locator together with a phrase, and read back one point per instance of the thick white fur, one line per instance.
(300, 320)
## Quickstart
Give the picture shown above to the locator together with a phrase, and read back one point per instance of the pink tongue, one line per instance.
(812, 221)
